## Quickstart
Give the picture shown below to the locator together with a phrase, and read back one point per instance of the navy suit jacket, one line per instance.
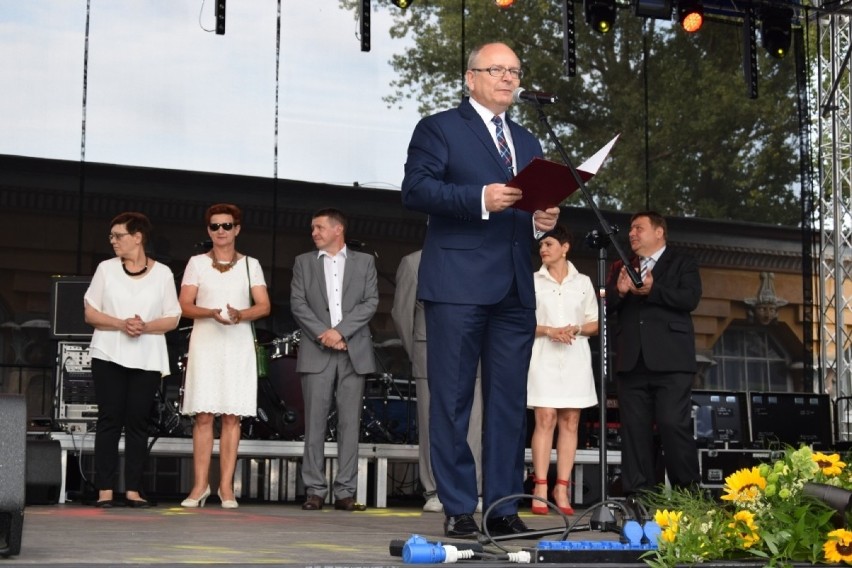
(659, 324)
(468, 260)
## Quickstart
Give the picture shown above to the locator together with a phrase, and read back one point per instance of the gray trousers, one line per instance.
(338, 382)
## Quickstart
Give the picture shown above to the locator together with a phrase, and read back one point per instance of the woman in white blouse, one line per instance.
(131, 302)
(560, 381)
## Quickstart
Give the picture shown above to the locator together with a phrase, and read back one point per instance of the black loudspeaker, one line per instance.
(13, 449)
(44, 472)
(66, 307)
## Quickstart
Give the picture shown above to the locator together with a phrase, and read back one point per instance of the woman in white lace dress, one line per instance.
(223, 291)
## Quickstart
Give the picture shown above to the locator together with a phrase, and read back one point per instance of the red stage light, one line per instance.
(690, 14)
(692, 22)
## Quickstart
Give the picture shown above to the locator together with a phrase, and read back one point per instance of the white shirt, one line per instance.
(152, 297)
(333, 268)
(651, 260)
(486, 116)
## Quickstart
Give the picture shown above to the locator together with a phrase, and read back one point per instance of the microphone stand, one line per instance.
(603, 519)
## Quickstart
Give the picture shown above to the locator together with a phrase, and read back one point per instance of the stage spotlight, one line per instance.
(690, 14)
(402, 3)
(775, 30)
(600, 14)
(659, 9)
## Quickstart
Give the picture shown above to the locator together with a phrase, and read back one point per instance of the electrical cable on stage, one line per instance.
(638, 535)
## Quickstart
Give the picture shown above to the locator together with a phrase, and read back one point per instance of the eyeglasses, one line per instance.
(500, 71)
(116, 236)
(226, 226)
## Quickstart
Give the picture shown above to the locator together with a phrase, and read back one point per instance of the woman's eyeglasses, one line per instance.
(216, 226)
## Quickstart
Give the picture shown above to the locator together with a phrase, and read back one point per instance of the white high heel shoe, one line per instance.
(195, 503)
(227, 503)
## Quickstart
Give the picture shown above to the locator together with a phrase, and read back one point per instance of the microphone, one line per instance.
(522, 95)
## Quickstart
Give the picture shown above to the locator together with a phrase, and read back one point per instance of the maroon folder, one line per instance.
(547, 184)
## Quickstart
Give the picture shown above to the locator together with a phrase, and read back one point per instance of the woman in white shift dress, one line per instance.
(221, 368)
(560, 381)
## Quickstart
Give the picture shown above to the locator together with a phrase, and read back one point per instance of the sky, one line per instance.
(163, 92)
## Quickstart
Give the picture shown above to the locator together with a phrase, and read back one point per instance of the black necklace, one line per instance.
(144, 268)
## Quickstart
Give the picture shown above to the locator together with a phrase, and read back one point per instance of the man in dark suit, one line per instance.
(655, 356)
(410, 321)
(333, 296)
(476, 285)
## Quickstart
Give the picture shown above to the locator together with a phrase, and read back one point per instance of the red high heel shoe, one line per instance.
(537, 507)
(565, 510)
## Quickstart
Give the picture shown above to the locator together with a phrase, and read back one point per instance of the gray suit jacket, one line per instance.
(408, 315)
(309, 304)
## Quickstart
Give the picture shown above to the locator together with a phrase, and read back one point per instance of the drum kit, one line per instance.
(389, 413)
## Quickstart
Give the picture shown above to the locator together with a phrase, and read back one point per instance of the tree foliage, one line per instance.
(692, 142)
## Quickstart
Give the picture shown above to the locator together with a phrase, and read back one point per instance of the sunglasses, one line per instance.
(226, 226)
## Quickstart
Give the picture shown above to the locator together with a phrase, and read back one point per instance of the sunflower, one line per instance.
(668, 521)
(838, 547)
(743, 527)
(744, 485)
(830, 465)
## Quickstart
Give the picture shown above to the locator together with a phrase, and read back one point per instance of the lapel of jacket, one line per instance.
(349, 274)
(318, 267)
(523, 155)
(477, 126)
(660, 266)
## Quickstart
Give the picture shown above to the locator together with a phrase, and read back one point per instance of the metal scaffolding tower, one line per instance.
(833, 26)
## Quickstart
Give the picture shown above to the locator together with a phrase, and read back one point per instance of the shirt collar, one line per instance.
(484, 113)
(344, 252)
(656, 256)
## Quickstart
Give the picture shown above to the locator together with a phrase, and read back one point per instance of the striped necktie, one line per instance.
(502, 145)
(646, 266)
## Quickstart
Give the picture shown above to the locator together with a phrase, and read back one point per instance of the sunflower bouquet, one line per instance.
(767, 514)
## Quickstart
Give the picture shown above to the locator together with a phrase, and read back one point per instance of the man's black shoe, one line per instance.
(507, 525)
(461, 526)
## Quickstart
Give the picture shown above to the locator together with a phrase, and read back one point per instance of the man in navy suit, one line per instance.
(655, 356)
(475, 281)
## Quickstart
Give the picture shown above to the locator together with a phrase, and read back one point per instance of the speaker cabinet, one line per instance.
(13, 444)
(66, 307)
(44, 472)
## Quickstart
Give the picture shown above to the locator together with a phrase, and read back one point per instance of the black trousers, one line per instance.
(645, 399)
(125, 398)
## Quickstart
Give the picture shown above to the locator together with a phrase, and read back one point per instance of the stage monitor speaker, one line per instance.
(790, 418)
(13, 449)
(66, 307)
(44, 472)
(720, 419)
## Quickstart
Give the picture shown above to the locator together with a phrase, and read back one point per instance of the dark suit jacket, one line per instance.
(309, 304)
(660, 324)
(467, 260)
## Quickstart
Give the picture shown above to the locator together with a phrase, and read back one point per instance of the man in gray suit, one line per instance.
(409, 319)
(333, 296)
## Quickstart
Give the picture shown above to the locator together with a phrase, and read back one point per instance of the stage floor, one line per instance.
(257, 533)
